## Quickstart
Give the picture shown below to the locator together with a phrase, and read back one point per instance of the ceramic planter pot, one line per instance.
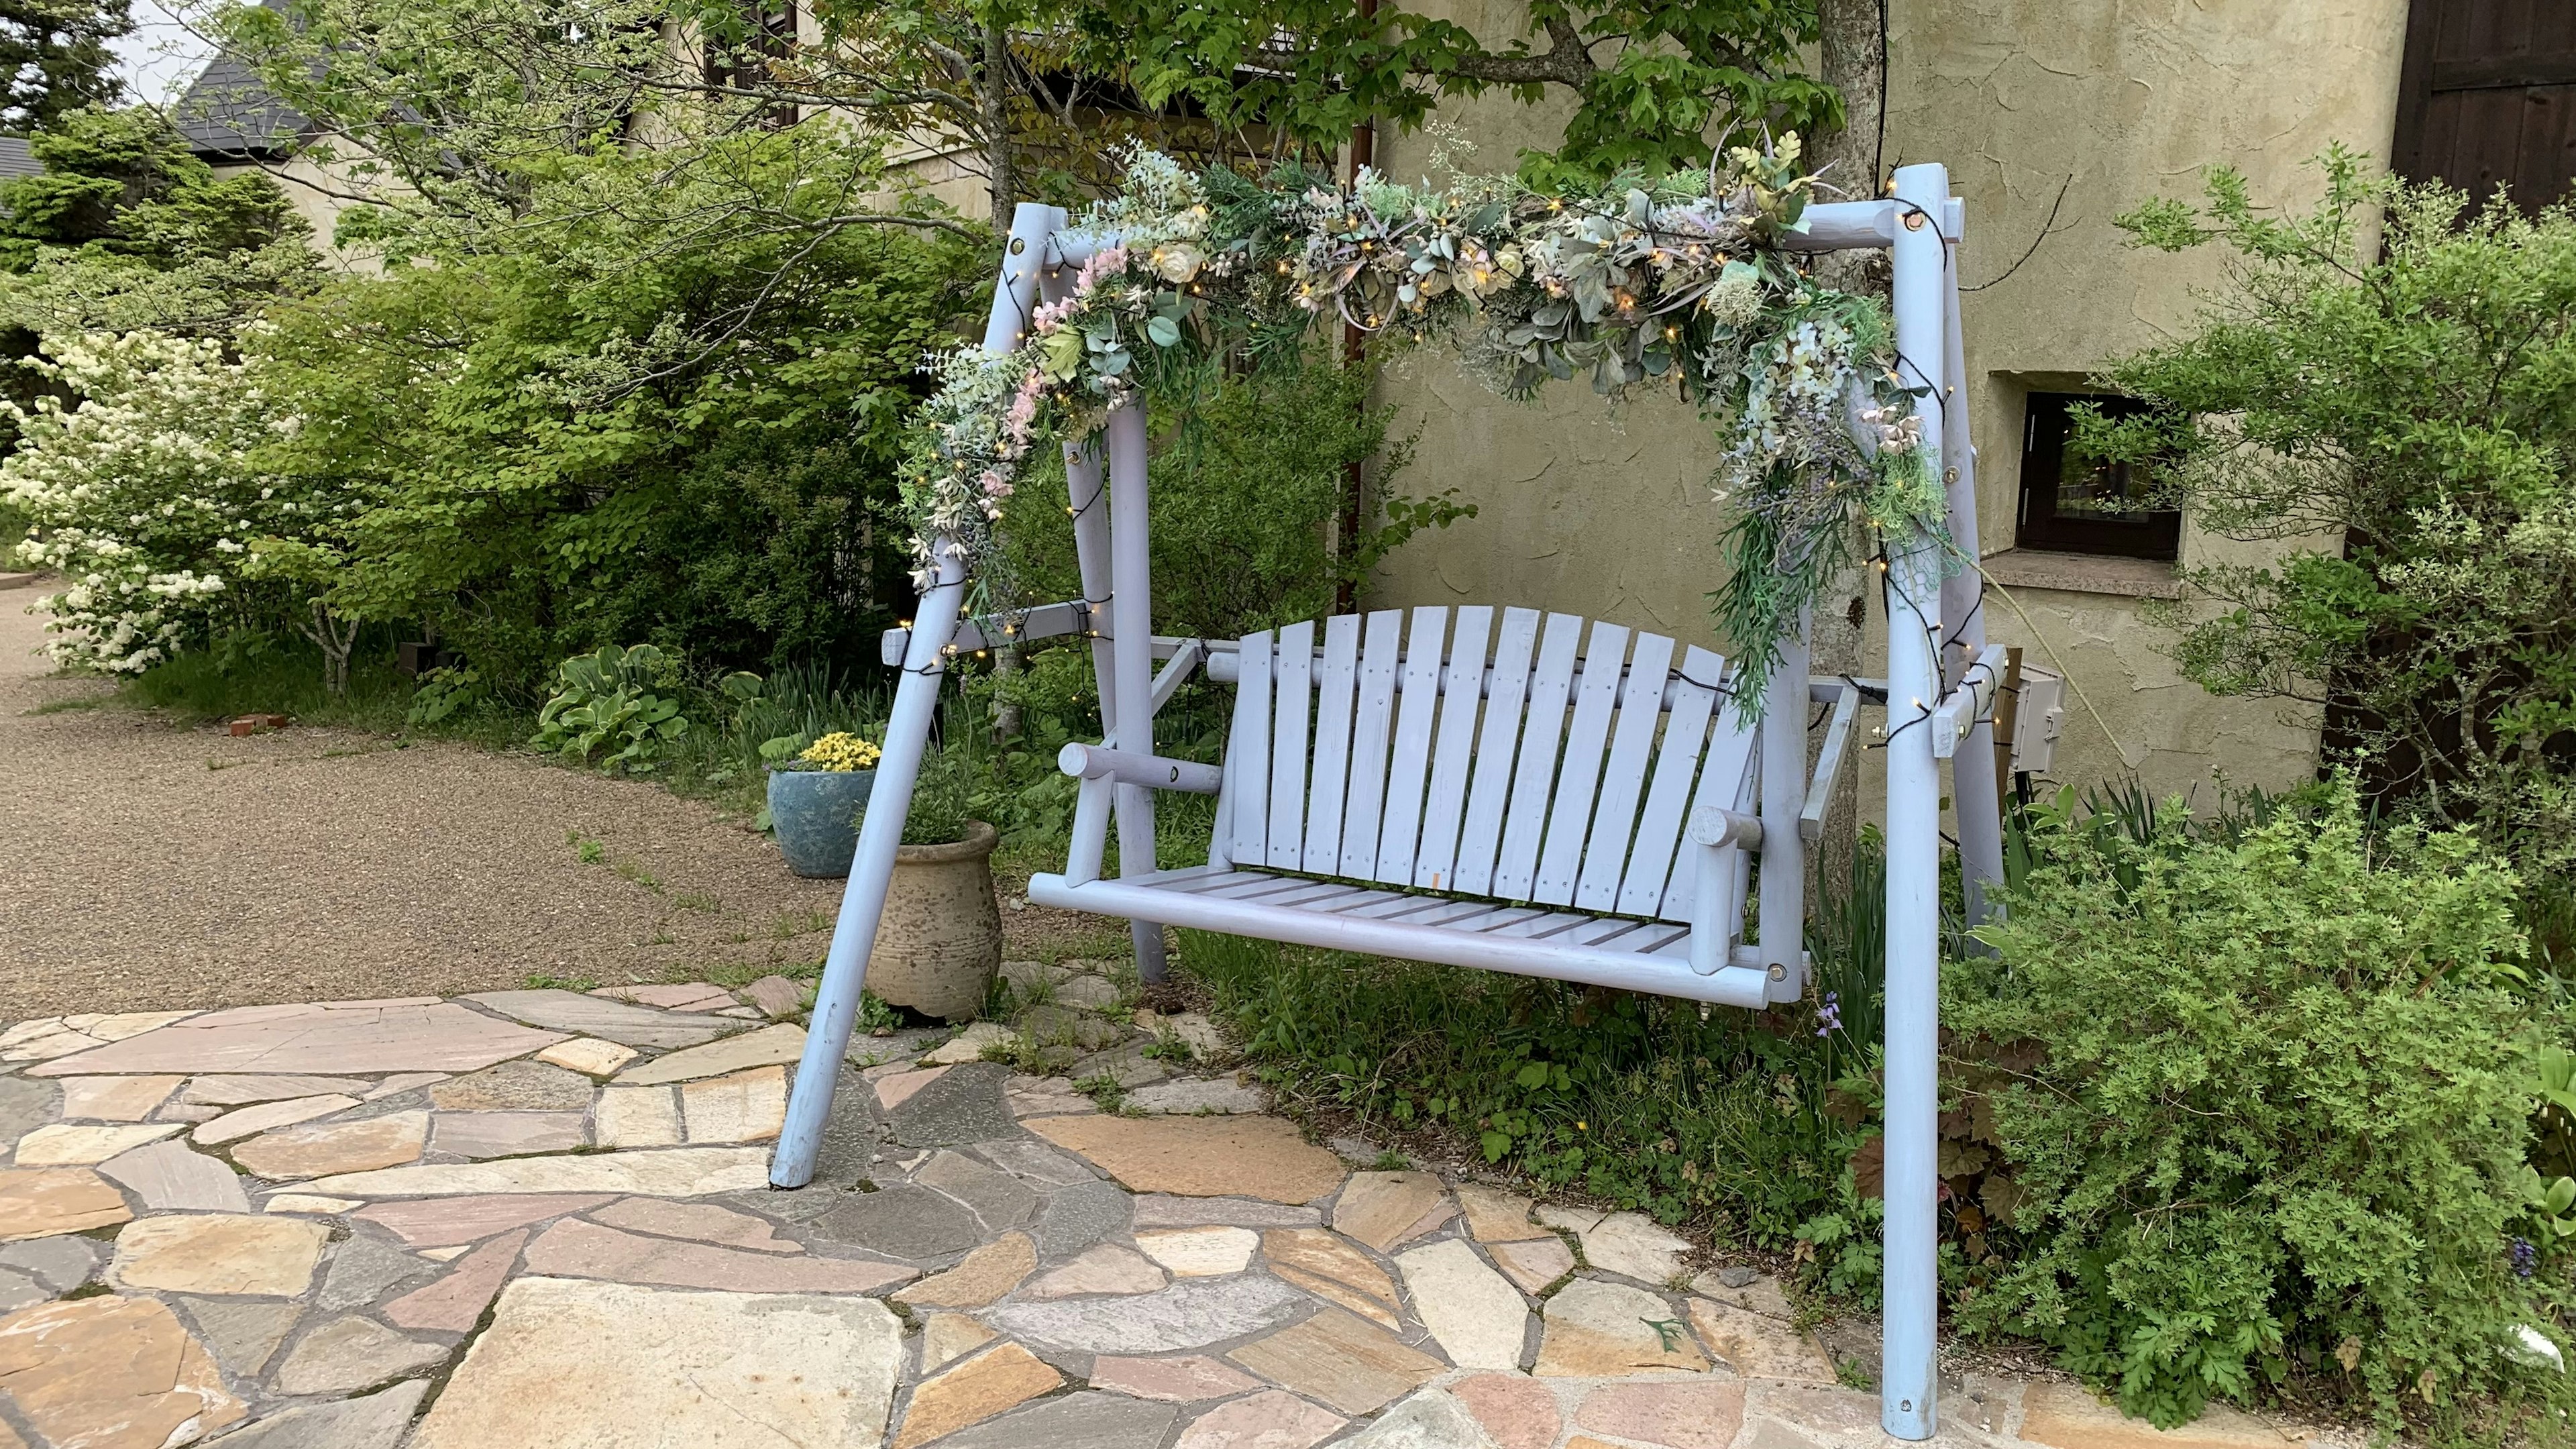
(939, 943)
(816, 815)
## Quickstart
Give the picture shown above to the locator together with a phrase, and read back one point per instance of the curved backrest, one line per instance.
(1484, 754)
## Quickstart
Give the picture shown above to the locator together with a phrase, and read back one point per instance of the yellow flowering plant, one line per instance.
(841, 752)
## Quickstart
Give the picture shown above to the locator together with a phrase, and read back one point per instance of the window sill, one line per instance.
(2085, 573)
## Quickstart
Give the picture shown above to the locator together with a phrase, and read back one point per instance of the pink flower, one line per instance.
(995, 485)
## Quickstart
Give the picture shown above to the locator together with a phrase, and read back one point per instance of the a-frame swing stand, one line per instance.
(1504, 788)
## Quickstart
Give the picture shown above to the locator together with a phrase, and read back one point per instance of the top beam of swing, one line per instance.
(1827, 226)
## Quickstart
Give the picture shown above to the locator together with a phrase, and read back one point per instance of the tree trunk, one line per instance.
(1853, 159)
(1000, 166)
(335, 637)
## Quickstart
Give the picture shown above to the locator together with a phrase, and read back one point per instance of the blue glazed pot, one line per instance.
(816, 815)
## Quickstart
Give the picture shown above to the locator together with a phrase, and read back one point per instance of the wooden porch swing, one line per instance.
(1504, 788)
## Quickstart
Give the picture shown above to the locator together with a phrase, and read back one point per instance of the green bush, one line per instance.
(2269, 1105)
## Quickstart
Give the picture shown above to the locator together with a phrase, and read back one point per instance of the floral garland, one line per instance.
(1687, 282)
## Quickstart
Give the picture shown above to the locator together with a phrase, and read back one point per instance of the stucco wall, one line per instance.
(1606, 513)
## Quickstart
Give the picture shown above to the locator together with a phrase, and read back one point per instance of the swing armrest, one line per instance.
(1100, 762)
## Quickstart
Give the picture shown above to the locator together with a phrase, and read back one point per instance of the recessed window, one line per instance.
(2071, 504)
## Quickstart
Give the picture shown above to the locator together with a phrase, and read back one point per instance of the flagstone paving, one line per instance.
(542, 1218)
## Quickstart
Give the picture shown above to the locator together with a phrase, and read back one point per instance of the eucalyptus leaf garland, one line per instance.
(1690, 282)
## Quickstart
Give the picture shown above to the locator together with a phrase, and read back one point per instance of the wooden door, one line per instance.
(2487, 97)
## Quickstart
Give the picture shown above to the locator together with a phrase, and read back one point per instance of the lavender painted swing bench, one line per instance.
(1504, 789)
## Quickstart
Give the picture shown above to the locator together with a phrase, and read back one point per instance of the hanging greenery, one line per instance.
(1690, 282)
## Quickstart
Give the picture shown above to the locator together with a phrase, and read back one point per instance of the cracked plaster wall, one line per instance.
(1606, 512)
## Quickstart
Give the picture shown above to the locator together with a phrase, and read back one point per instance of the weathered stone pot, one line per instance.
(939, 944)
(816, 814)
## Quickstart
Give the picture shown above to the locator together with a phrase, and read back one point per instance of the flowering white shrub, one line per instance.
(144, 492)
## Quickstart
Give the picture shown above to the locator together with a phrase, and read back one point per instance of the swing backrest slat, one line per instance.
(1480, 839)
(1623, 776)
(1247, 799)
(1400, 838)
(1659, 824)
(1334, 684)
(1364, 814)
(1570, 814)
(1534, 779)
(1445, 802)
(1288, 745)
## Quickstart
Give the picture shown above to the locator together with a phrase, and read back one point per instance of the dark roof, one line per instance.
(227, 115)
(16, 160)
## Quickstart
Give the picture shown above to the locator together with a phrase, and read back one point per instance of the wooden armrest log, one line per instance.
(1099, 762)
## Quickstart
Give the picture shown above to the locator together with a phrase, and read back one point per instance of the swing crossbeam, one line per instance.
(1578, 806)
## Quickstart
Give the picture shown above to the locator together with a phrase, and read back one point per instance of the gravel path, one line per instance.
(144, 865)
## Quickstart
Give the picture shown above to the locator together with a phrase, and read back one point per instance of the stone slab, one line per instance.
(636, 1117)
(230, 1254)
(988, 1384)
(1682, 1416)
(1381, 1208)
(320, 1149)
(2066, 1416)
(1200, 1252)
(401, 1082)
(1595, 1329)
(1271, 1419)
(521, 1086)
(1190, 1314)
(1332, 1267)
(116, 1099)
(969, 1045)
(314, 1203)
(1076, 1421)
(777, 997)
(235, 1089)
(1759, 1347)
(1533, 1263)
(66, 1145)
(1632, 1246)
(700, 1222)
(964, 1105)
(508, 1134)
(902, 1220)
(1256, 1157)
(447, 1222)
(171, 1178)
(982, 1276)
(589, 1055)
(1478, 1318)
(997, 1198)
(61, 1264)
(1192, 1096)
(109, 1373)
(26, 1106)
(264, 1116)
(242, 1333)
(674, 996)
(1076, 1217)
(575, 1248)
(1186, 1379)
(571, 1011)
(1515, 1412)
(1496, 1216)
(373, 1422)
(745, 1106)
(945, 1337)
(352, 1353)
(1341, 1360)
(769, 1046)
(38, 1202)
(1103, 1268)
(677, 1172)
(1432, 1420)
(1030, 1160)
(453, 1303)
(1162, 1210)
(349, 1036)
(613, 1366)
(362, 1268)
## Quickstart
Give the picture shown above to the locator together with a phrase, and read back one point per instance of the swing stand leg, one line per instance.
(854, 934)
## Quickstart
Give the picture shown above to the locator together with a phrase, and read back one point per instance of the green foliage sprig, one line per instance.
(1681, 281)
